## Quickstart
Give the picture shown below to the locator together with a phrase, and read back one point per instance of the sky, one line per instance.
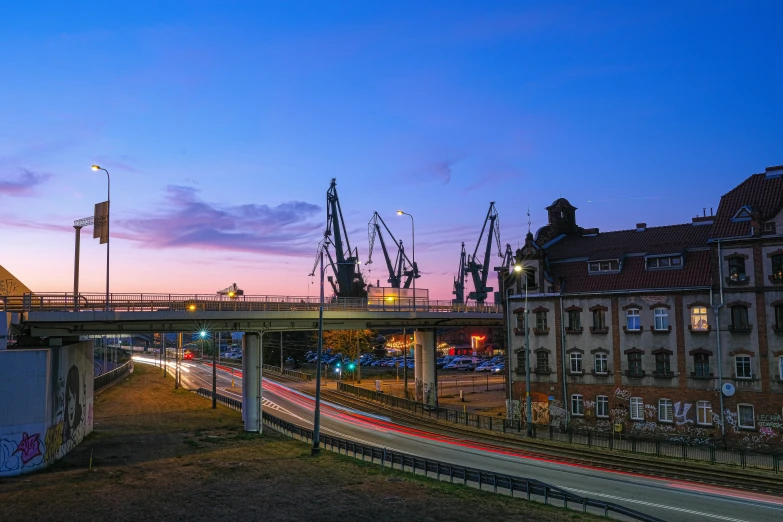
(222, 123)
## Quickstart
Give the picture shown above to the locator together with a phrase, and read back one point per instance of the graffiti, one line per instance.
(618, 413)
(691, 441)
(650, 411)
(428, 395)
(693, 431)
(540, 412)
(89, 415)
(644, 426)
(53, 440)
(603, 425)
(29, 447)
(770, 421)
(589, 405)
(7, 286)
(72, 415)
(9, 461)
(513, 410)
(681, 413)
(419, 390)
(769, 432)
(556, 410)
(621, 394)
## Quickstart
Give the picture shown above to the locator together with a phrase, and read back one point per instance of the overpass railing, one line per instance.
(122, 302)
(300, 376)
(531, 488)
(106, 380)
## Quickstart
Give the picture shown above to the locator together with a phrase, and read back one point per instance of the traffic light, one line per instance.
(337, 365)
(351, 366)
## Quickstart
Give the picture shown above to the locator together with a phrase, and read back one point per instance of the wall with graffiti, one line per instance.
(47, 405)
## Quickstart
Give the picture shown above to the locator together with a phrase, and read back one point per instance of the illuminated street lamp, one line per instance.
(413, 243)
(528, 403)
(108, 221)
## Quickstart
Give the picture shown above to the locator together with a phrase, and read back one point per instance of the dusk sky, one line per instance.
(222, 123)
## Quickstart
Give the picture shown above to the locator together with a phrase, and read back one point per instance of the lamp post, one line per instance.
(528, 401)
(413, 244)
(108, 221)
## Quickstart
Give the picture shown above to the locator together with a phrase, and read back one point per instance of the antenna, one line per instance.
(528, 220)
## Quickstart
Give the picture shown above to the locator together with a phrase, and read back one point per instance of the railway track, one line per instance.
(679, 470)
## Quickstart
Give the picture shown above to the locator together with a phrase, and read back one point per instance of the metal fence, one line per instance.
(109, 378)
(65, 302)
(288, 373)
(697, 449)
(499, 482)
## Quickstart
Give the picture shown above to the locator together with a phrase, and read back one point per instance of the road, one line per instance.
(664, 498)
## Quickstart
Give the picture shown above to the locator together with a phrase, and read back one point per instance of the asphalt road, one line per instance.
(664, 498)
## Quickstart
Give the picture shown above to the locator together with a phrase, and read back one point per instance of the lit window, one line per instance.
(701, 365)
(699, 319)
(573, 320)
(745, 416)
(632, 319)
(662, 364)
(742, 367)
(739, 318)
(665, 412)
(602, 406)
(542, 362)
(661, 319)
(637, 408)
(601, 363)
(703, 413)
(576, 362)
(737, 270)
(599, 320)
(777, 268)
(577, 405)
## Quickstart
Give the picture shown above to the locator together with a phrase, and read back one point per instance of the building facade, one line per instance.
(673, 330)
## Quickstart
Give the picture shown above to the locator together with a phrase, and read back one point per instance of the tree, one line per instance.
(352, 343)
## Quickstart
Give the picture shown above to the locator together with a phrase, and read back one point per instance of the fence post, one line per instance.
(712, 455)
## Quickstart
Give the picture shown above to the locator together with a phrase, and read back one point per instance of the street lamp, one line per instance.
(413, 244)
(108, 221)
(528, 402)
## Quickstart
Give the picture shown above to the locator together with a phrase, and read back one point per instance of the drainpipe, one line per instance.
(716, 311)
(563, 355)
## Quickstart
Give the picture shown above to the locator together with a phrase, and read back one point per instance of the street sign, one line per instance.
(101, 217)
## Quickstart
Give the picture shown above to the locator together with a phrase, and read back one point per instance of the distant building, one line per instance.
(641, 327)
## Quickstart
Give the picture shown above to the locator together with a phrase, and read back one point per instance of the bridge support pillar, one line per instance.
(424, 352)
(251, 381)
(4, 319)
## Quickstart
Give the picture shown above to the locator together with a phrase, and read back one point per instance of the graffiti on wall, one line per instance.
(24, 452)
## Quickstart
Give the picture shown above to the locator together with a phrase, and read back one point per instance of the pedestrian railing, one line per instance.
(111, 377)
(499, 482)
(65, 302)
(699, 449)
(301, 376)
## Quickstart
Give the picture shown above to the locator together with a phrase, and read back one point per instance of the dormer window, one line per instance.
(597, 267)
(737, 270)
(743, 214)
(662, 262)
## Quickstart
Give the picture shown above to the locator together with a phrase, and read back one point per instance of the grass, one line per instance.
(164, 454)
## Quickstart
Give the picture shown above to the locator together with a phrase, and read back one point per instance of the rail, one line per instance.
(413, 464)
(699, 449)
(301, 376)
(121, 302)
(108, 379)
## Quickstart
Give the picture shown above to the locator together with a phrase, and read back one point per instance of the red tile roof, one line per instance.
(694, 272)
(764, 195)
(670, 239)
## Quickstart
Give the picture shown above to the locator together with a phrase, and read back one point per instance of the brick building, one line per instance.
(643, 327)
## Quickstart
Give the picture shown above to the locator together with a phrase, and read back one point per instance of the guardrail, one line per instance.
(106, 380)
(412, 464)
(64, 302)
(288, 373)
(683, 448)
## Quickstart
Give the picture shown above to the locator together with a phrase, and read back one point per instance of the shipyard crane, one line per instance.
(350, 282)
(231, 291)
(459, 280)
(402, 266)
(479, 270)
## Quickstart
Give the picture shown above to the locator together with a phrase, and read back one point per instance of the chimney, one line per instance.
(774, 172)
(641, 227)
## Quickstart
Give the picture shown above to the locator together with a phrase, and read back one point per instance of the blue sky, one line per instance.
(222, 124)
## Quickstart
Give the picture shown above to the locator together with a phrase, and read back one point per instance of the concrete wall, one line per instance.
(47, 406)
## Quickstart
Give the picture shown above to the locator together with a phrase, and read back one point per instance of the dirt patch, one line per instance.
(164, 454)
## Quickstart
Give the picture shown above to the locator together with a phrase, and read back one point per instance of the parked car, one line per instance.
(485, 366)
(461, 365)
(499, 368)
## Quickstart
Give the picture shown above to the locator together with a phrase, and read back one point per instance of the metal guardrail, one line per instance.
(684, 448)
(105, 380)
(64, 302)
(413, 464)
(288, 373)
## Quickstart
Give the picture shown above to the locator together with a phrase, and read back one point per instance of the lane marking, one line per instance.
(652, 504)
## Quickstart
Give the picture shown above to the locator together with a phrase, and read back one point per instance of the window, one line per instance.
(521, 360)
(664, 262)
(542, 362)
(662, 364)
(742, 367)
(745, 416)
(699, 319)
(665, 412)
(661, 319)
(769, 227)
(602, 406)
(635, 363)
(530, 278)
(576, 362)
(577, 405)
(573, 320)
(701, 365)
(637, 408)
(599, 320)
(780, 368)
(777, 268)
(739, 317)
(601, 365)
(703, 413)
(603, 266)
(779, 317)
(737, 270)
(540, 320)
(632, 319)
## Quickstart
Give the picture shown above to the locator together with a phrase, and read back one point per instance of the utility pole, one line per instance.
(214, 376)
(282, 367)
(405, 359)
